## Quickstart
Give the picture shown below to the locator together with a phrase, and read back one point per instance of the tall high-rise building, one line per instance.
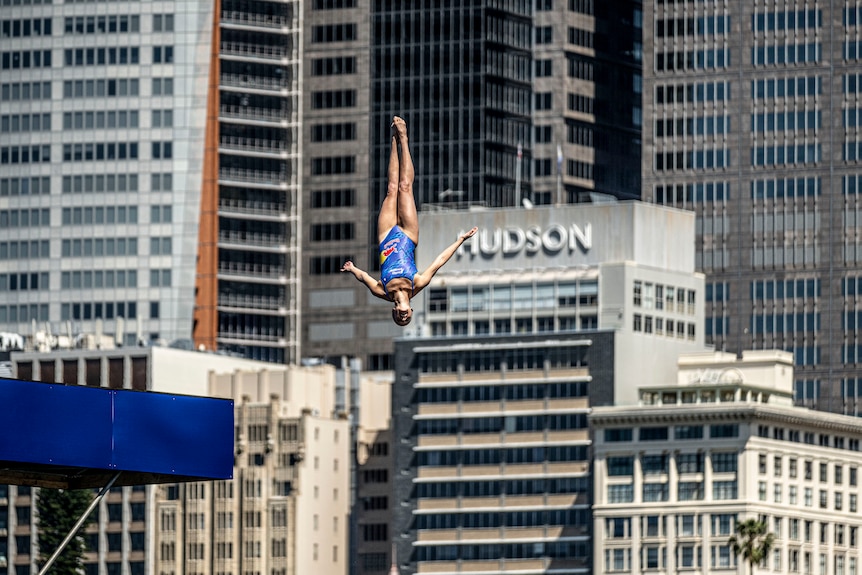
(752, 123)
(149, 172)
(504, 102)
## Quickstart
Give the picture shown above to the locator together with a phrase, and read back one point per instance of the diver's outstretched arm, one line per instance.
(373, 285)
(423, 279)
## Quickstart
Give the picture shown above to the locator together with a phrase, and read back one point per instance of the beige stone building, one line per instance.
(286, 511)
(676, 472)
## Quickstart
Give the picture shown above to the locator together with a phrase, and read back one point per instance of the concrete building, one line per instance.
(312, 471)
(149, 172)
(541, 317)
(751, 112)
(504, 101)
(674, 473)
(286, 510)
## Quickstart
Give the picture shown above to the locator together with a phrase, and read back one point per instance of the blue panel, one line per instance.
(55, 424)
(177, 435)
(55, 433)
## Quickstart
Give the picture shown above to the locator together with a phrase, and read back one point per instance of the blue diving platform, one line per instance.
(76, 437)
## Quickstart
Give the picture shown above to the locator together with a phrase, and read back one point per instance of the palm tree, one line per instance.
(752, 541)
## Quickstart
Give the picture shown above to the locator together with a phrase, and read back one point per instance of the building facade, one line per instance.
(149, 172)
(675, 474)
(542, 315)
(504, 102)
(751, 113)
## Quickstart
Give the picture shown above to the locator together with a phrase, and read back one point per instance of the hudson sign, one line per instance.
(512, 240)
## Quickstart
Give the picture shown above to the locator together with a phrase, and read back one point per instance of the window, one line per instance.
(544, 68)
(620, 466)
(620, 493)
(163, 54)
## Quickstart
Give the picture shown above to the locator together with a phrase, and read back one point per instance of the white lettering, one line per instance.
(492, 246)
(554, 238)
(513, 240)
(534, 239)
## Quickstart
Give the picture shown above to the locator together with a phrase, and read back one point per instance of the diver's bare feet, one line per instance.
(400, 127)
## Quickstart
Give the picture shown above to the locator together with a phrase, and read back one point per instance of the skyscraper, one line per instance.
(753, 124)
(504, 101)
(149, 172)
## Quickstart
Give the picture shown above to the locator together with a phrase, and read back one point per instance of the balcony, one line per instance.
(251, 176)
(273, 211)
(250, 114)
(251, 302)
(248, 82)
(271, 21)
(252, 271)
(256, 51)
(246, 239)
(259, 145)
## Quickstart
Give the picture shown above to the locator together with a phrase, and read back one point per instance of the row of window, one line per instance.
(100, 247)
(785, 154)
(25, 59)
(722, 461)
(662, 326)
(23, 28)
(808, 497)
(104, 119)
(701, 26)
(786, 20)
(785, 188)
(18, 91)
(708, 59)
(518, 325)
(112, 183)
(24, 313)
(526, 391)
(503, 298)
(509, 424)
(795, 436)
(787, 54)
(662, 433)
(708, 158)
(101, 278)
(700, 126)
(663, 297)
(98, 310)
(657, 492)
(790, 323)
(685, 195)
(93, 151)
(25, 123)
(24, 218)
(691, 93)
(495, 455)
(24, 282)
(513, 359)
(803, 120)
(113, 215)
(494, 487)
(687, 525)
(37, 153)
(494, 520)
(568, 550)
(792, 87)
(25, 249)
(112, 87)
(106, 24)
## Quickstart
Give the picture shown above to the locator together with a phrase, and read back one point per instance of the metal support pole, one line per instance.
(77, 526)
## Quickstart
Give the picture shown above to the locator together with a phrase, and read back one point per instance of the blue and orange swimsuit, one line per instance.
(396, 257)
